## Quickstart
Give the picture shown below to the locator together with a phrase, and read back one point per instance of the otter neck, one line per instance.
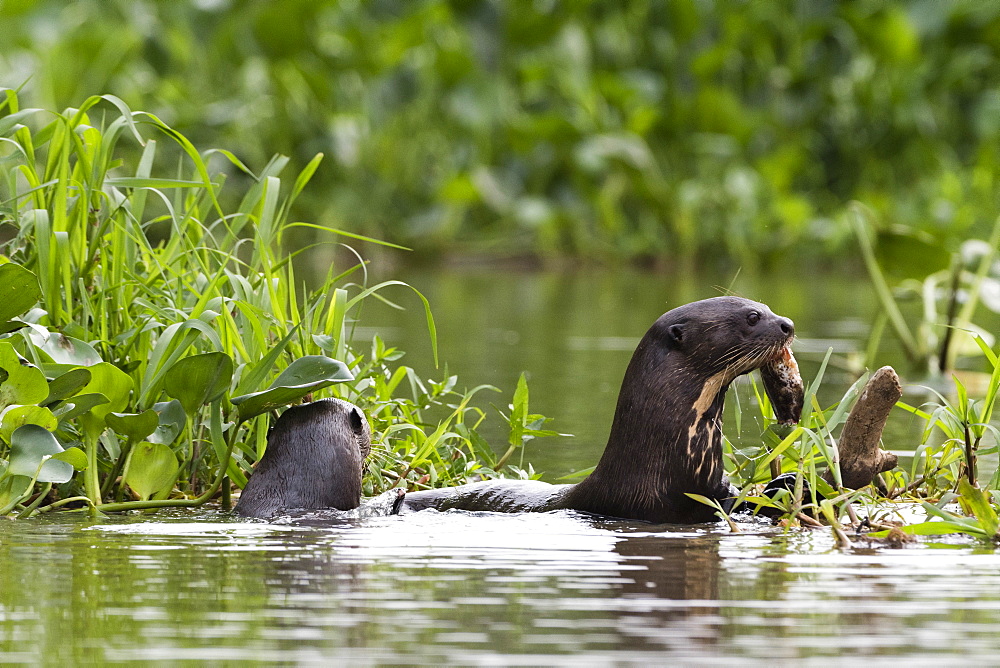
(666, 440)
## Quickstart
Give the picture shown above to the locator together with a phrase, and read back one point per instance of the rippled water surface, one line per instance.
(482, 589)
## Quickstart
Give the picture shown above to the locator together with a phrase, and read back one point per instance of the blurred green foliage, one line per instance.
(645, 128)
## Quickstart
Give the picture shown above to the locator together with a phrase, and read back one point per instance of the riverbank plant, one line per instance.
(947, 287)
(148, 333)
(941, 478)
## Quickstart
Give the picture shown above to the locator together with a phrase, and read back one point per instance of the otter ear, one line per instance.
(676, 333)
(357, 420)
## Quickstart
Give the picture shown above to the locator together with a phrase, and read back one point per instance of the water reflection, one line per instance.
(465, 588)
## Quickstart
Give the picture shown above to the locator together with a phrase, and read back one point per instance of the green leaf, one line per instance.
(80, 404)
(138, 182)
(66, 385)
(29, 445)
(18, 416)
(134, 426)
(113, 383)
(151, 467)
(12, 489)
(254, 376)
(302, 376)
(75, 457)
(935, 528)
(19, 290)
(171, 421)
(980, 505)
(67, 350)
(199, 380)
(519, 412)
(19, 383)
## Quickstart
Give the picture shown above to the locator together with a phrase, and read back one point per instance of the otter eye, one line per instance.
(753, 318)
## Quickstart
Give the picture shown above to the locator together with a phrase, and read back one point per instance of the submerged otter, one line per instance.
(666, 438)
(314, 458)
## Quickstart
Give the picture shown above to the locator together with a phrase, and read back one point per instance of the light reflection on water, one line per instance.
(483, 589)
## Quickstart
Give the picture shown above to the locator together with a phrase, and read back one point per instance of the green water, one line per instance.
(573, 333)
(459, 588)
(479, 589)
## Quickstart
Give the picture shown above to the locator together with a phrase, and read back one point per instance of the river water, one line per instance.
(480, 589)
(466, 589)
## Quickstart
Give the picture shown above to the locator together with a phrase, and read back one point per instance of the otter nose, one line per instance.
(787, 326)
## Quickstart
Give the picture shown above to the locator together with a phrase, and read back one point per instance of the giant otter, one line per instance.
(314, 458)
(666, 437)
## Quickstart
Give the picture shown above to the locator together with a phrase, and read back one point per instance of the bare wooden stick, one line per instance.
(861, 459)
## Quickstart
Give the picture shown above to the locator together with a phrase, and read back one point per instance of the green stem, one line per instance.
(970, 457)
(63, 502)
(117, 469)
(91, 483)
(27, 492)
(503, 460)
(34, 504)
(181, 503)
(858, 218)
(945, 357)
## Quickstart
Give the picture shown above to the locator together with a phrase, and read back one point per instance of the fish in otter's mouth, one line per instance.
(783, 385)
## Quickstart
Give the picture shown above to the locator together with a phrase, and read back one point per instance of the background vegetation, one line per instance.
(639, 129)
(151, 318)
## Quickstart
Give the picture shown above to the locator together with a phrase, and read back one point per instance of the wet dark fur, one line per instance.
(666, 437)
(314, 458)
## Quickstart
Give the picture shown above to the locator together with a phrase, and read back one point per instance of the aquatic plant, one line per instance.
(964, 423)
(942, 477)
(948, 286)
(147, 333)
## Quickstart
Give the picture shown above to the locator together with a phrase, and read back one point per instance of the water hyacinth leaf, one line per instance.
(252, 378)
(199, 379)
(66, 385)
(151, 468)
(11, 326)
(113, 383)
(171, 421)
(302, 376)
(19, 290)
(75, 457)
(28, 446)
(79, 405)
(12, 488)
(18, 416)
(134, 426)
(66, 350)
(22, 383)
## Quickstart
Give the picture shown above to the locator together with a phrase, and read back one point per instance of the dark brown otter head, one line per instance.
(314, 458)
(728, 335)
(666, 439)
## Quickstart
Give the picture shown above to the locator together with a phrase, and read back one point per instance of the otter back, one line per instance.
(314, 459)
